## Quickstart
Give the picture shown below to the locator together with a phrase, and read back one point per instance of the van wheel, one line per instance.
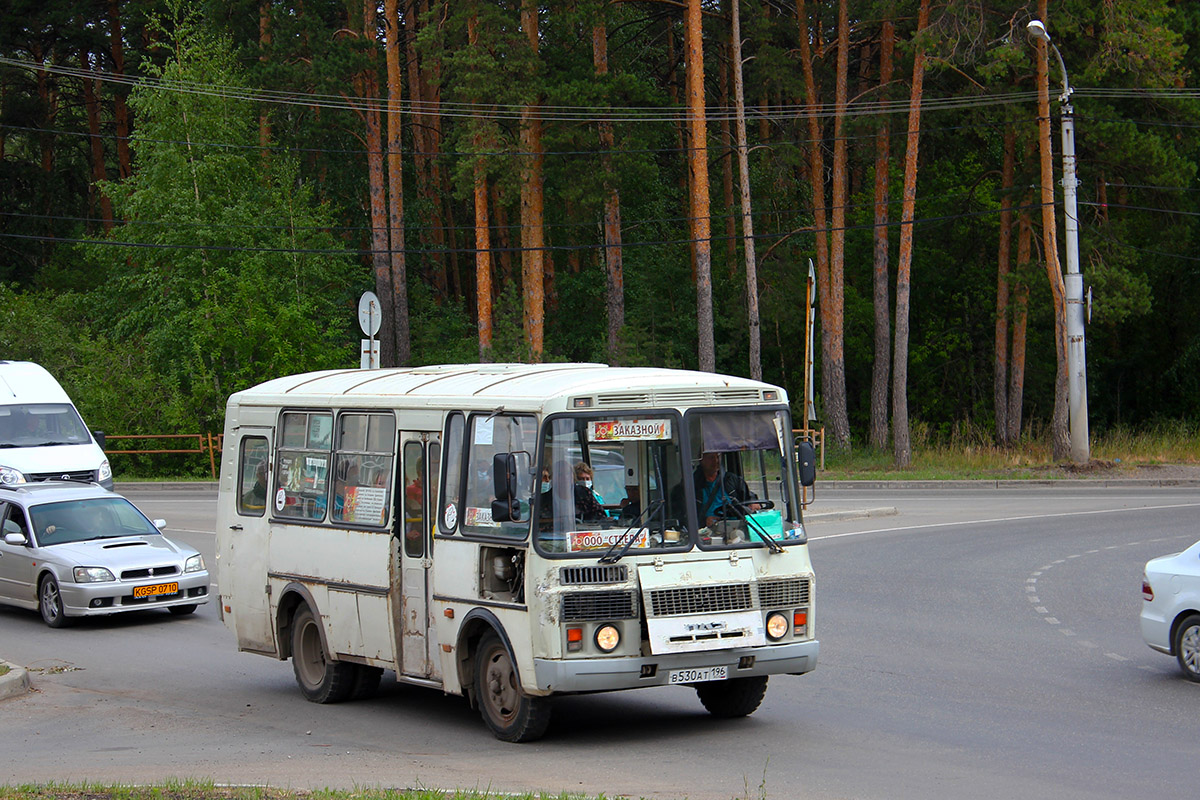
(512, 715)
(321, 679)
(736, 697)
(50, 604)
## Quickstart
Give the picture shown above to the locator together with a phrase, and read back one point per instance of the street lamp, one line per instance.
(1073, 280)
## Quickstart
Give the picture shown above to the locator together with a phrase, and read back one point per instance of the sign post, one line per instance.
(370, 319)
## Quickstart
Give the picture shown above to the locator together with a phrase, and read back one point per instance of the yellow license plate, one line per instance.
(156, 589)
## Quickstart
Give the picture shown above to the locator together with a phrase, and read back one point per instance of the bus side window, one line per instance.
(252, 476)
(451, 495)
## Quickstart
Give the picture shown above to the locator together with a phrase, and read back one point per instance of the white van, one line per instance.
(42, 436)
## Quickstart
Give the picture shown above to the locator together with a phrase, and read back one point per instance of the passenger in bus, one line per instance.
(256, 496)
(720, 494)
(584, 476)
(631, 504)
(587, 502)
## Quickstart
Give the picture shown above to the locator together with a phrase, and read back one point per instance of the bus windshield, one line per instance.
(611, 478)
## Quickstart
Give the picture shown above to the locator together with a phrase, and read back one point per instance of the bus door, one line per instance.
(420, 456)
(242, 578)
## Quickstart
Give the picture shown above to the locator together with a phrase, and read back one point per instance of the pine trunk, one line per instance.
(838, 418)
(1059, 433)
(613, 261)
(882, 296)
(1003, 270)
(901, 439)
(395, 160)
(744, 189)
(1020, 316)
(698, 184)
(377, 198)
(92, 105)
(120, 107)
(532, 209)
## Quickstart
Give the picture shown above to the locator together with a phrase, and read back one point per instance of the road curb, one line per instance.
(850, 513)
(15, 682)
(1059, 483)
(199, 486)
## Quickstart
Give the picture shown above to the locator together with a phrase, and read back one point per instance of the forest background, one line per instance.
(194, 194)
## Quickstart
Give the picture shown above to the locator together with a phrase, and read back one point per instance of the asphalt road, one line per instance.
(980, 643)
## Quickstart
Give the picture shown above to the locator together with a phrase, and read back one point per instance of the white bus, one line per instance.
(429, 521)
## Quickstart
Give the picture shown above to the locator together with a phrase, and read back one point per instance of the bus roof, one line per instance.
(515, 386)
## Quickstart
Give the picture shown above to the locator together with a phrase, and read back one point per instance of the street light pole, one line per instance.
(1073, 280)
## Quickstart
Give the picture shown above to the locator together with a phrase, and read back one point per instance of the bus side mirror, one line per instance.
(505, 507)
(807, 458)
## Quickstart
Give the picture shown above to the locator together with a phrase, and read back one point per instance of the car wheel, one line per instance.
(50, 603)
(512, 715)
(1187, 647)
(321, 679)
(736, 697)
(182, 611)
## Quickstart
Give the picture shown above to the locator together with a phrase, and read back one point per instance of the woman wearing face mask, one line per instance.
(588, 504)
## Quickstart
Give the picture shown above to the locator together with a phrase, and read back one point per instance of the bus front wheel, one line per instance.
(321, 679)
(736, 697)
(512, 715)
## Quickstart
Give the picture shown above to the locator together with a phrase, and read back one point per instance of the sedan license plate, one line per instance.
(156, 589)
(698, 675)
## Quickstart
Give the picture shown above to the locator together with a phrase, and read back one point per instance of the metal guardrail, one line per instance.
(206, 443)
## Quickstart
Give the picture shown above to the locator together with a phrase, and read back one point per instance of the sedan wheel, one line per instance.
(1187, 647)
(50, 603)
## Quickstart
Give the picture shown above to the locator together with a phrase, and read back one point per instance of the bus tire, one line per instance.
(736, 697)
(512, 715)
(321, 679)
(366, 681)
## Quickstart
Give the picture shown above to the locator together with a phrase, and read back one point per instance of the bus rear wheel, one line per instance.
(321, 679)
(736, 697)
(512, 715)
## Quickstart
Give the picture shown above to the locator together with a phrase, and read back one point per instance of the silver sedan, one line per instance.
(74, 550)
(1171, 609)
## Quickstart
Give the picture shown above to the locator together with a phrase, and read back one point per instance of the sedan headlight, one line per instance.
(194, 564)
(11, 477)
(92, 575)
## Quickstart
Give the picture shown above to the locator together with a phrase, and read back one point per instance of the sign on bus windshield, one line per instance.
(629, 430)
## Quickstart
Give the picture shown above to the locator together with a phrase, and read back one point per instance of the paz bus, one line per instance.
(429, 521)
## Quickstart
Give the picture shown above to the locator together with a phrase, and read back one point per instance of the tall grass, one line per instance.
(969, 451)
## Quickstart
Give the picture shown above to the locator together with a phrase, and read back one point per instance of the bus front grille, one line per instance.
(782, 593)
(592, 575)
(700, 599)
(598, 605)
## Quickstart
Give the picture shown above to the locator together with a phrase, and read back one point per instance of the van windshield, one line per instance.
(41, 425)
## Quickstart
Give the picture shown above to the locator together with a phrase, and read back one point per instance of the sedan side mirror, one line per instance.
(160, 523)
(15, 539)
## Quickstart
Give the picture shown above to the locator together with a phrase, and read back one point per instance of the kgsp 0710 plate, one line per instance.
(156, 589)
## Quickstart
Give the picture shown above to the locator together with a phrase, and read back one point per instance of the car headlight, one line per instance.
(92, 575)
(194, 564)
(11, 477)
(105, 471)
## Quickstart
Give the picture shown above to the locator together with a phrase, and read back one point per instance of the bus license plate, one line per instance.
(156, 589)
(698, 675)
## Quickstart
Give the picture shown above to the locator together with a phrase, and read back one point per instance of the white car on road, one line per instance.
(1171, 611)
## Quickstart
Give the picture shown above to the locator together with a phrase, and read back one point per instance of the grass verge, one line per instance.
(200, 790)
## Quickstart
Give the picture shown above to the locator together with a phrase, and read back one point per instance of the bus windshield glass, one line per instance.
(742, 487)
(611, 479)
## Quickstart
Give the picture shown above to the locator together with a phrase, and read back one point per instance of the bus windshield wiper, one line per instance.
(753, 524)
(642, 521)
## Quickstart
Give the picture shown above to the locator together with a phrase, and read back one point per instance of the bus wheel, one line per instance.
(321, 679)
(366, 681)
(736, 697)
(512, 715)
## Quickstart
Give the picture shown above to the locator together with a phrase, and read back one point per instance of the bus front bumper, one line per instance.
(605, 674)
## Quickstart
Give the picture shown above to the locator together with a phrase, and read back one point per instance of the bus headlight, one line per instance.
(607, 638)
(777, 626)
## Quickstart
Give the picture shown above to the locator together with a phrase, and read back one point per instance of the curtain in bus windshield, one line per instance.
(489, 435)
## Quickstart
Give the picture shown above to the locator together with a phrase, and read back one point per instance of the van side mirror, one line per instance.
(806, 457)
(100, 438)
(505, 507)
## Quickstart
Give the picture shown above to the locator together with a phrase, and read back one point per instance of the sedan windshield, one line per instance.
(41, 425)
(87, 520)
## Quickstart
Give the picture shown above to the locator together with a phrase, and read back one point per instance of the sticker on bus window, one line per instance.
(483, 430)
(480, 517)
(364, 505)
(602, 540)
(280, 499)
(629, 430)
(450, 516)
